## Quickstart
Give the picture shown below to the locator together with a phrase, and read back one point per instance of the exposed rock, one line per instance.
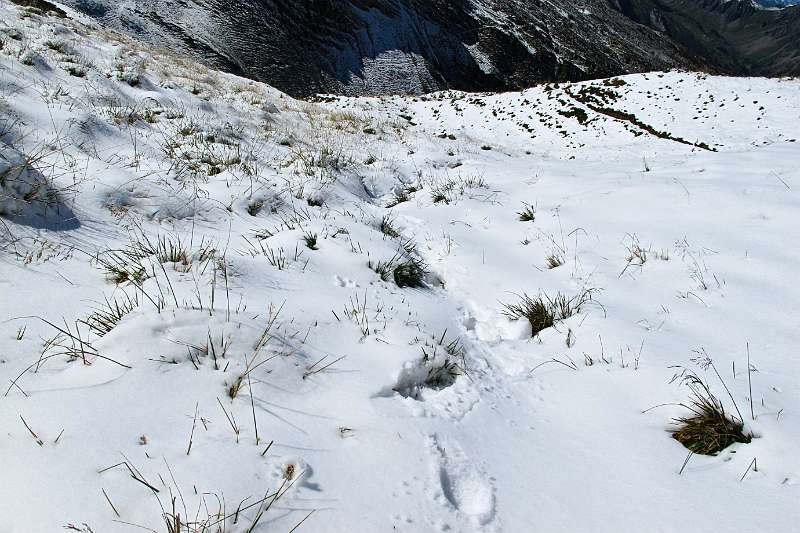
(370, 47)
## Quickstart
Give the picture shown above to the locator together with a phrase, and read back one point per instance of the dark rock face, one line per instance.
(398, 46)
(368, 47)
(736, 37)
(778, 3)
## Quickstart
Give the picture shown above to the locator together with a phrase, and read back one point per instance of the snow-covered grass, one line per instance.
(223, 309)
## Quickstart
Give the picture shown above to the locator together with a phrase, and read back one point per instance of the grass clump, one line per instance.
(707, 429)
(255, 207)
(441, 364)
(443, 373)
(543, 312)
(310, 240)
(106, 317)
(169, 250)
(447, 190)
(56, 45)
(406, 270)
(124, 266)
(528, 214)
(402, 195)
(555, 260)
(315, 201)
(388, 228)
(410, 273)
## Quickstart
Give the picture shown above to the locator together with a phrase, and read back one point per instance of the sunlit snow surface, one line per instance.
(546, 434)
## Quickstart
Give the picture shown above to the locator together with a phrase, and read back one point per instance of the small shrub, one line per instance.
(449, 189)
(637, 255)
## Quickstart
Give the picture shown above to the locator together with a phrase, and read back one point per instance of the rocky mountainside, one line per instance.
(367, 47)
(778, 3)
(737, 37)
(408, 46)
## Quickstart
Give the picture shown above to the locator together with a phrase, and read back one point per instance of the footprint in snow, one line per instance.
(464, 486)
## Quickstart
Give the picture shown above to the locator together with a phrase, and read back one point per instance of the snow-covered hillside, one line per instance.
(223, 309)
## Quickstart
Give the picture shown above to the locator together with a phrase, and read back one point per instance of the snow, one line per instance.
(16, 182)
(251, 368)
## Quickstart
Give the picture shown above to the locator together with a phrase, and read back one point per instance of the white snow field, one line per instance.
(226, 310)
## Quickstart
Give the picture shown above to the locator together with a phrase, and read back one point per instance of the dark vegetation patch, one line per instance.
(41, 6)
(707, 429)
(597, 99)
(577, 113)
(543, 312)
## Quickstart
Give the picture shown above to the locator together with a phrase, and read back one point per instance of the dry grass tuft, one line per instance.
(542, 311)
(528, 214)
(708, 429)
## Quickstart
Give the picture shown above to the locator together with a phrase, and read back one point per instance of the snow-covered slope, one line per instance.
(206, 322)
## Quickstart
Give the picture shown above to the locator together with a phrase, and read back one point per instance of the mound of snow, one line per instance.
(21, 187)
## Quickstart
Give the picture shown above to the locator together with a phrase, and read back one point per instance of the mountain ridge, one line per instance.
(373, 47)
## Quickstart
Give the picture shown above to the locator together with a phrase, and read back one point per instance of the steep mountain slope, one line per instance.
(398, 46)
(737, 37)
